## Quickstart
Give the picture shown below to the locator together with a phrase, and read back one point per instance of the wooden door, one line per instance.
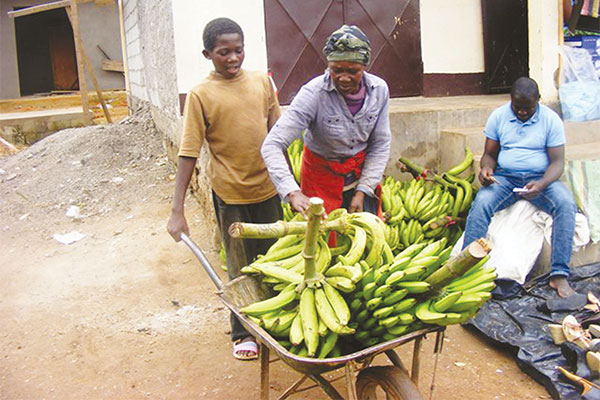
(506, 44)
(62, 56)
(296, 34)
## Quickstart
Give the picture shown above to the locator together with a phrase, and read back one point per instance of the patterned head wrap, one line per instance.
(348, 43)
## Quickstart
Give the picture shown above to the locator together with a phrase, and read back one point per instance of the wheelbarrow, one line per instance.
(394, 380)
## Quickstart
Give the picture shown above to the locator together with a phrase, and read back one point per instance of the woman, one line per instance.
(344, 114)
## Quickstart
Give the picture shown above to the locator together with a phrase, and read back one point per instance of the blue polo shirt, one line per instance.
(523, 144)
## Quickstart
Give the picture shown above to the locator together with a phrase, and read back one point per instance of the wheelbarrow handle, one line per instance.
(203, 260)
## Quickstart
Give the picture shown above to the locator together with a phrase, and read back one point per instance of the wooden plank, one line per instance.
(40, 8)
(112, 65)
(124, 46)
(74, 18)
(89, 66)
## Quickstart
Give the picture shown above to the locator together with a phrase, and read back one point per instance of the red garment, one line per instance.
(325, 179)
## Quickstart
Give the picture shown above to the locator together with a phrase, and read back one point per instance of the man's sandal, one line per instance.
(249, 347)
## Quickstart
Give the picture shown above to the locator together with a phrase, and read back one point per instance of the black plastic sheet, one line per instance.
(517, 322)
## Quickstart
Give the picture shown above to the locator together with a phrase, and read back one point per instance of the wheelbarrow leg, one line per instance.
(326, 386)
(264, 372)
(416, 361)
(395, 359)
(292, 389)
(350, 381)
(439, 342)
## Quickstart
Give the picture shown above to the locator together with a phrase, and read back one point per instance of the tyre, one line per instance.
(394, 382)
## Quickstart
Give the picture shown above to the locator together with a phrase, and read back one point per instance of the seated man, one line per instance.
(525, 149)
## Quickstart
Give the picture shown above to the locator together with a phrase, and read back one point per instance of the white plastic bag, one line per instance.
(517, 235)
(580, 93)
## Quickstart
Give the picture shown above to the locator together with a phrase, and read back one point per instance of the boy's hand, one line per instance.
(299, 202)
(176, 225)
(356, 205)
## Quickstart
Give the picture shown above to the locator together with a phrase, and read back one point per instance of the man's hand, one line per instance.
(486, 176)
(176, 225)
(299, 202)
(356, 205)
(534, 189)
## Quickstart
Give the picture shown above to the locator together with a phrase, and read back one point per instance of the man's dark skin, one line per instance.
(524, 103)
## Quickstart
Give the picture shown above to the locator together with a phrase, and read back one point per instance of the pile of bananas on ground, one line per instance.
(429, 206)
(336, 300)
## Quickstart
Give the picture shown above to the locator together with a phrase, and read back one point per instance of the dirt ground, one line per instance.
(126, 313)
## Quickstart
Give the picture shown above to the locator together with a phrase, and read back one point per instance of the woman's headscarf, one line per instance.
(348, 43)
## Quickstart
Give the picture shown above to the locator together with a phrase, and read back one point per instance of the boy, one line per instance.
(232, 110)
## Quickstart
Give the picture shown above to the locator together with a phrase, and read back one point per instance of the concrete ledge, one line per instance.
(26, 128)
(416, 123)
(589, 254)
(583, 142)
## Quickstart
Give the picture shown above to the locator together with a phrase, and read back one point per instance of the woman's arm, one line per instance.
(288, 128)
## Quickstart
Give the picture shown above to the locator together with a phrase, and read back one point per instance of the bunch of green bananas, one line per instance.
(294, 151)
(429, 206)
(367, 294)
(288, 213)
(310, 316)
(418, 211)
(396, 298)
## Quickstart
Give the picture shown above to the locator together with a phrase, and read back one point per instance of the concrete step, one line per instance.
(583, 151)
(583, 143)
(588, 254)
(416, 123)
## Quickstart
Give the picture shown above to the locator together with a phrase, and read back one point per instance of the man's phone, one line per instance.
(520, 190)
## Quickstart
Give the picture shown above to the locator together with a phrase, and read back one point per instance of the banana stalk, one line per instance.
(457, 266)
(417, 170)
(316, 210)
(244, 230)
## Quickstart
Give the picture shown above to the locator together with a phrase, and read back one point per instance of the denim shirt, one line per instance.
(332, 132)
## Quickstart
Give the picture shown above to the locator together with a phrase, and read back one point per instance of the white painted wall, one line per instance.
(544, 32)
(451, 36)
(457, 48)
(190, 17)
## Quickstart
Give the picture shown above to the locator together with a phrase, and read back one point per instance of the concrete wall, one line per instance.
(458, 48)
(153, 81)
(191, 16)
(99, 25)
(151, 60)
(544, 32)
(9, 77)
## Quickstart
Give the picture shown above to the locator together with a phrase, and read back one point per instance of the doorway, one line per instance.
(506, 43)
(297, 30)
(45, 53)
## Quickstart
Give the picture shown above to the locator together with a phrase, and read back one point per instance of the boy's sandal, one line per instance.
(247, 350)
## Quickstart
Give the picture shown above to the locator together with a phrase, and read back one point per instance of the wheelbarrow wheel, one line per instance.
(392, 380)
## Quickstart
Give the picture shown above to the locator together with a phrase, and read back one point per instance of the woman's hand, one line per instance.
(299, 202)
(356, 205)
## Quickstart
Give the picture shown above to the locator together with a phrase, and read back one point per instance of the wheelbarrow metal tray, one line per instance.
(246, 290)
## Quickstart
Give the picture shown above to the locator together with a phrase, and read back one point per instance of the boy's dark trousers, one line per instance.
(241, 252)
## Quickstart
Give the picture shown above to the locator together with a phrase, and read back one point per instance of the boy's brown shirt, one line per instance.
(233, 116)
